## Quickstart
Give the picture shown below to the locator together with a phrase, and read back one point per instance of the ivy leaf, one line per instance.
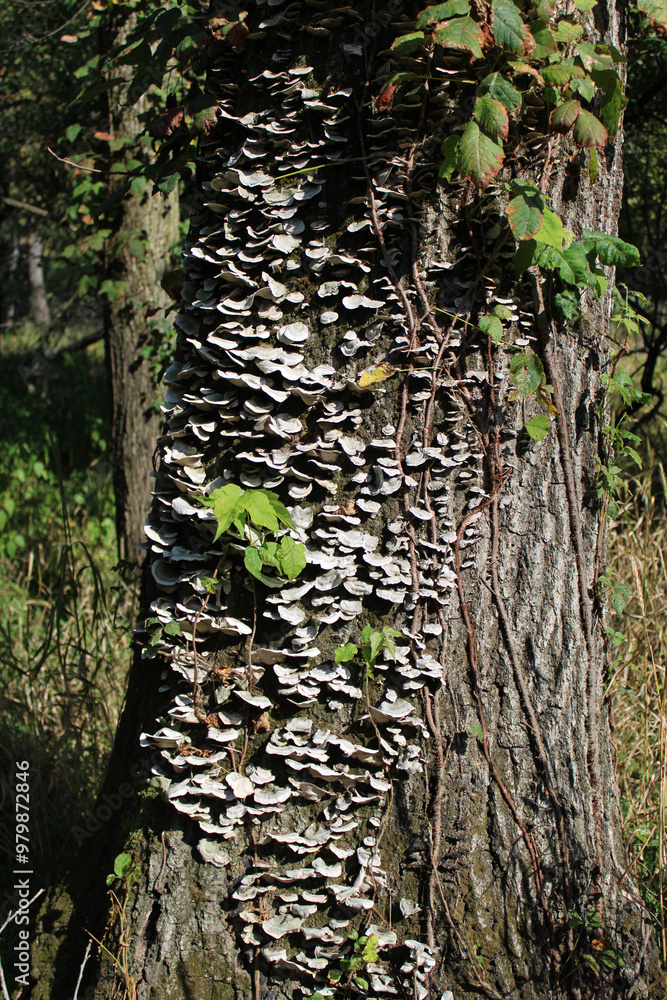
(492, 326)
(461, 33)
(408, 43)
(527, 374)
(544, 10)
(279, 509)
(525, 213)
(480, 156)
(525, 256)
(449, 151)
(376, 644)
(260, 510)
(565, 115)
(476, 730)
(345, 653)
(442, 11)
(292, 557)
(545, 43)
(491, 115)
(584, 87)
(538, 427)
(269, 554)
(509, 30)
(589, 130)
(656, 10)
(568, 303)
(611, 250)
(173, 628)
(585, 5)
(252, 561)
(567, 31)
(224, 502)
(614, 99)
(366, 634)
(501, 89)
(561, 73)
(551, 231)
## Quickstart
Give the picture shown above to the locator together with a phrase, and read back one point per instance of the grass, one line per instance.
(64, 614)
(637, 687)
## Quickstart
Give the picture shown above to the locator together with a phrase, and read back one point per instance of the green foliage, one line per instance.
(349, 971)
(249, 510)
(121, 868)
(372, 644)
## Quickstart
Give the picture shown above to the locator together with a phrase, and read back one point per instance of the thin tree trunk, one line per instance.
(144, 243)
(460, 802)
(40, 306)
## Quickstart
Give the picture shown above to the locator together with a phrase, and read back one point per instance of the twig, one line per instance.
(24, 205)
(71, 163)
(12, 915)
(83, 965)
(5, 992)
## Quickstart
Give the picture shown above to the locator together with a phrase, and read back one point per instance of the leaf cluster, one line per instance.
(262, 511)
(372, 644)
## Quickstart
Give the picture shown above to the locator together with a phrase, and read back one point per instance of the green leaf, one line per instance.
(568, 303)
(252, 561)
(589, 131)
(344, 653)
(173, 628)
(450, 149)
(551, 231)
(224, 502)
(492, 326)
(442, 11)
(260, 510)
(373, 650)
(527, 374)
(268, 552)
(525, 213)
(292, 556)
(362, 983)
(122, 864)
(498, 87)
(567, 31)
(614, 99)
(656, 10)
(611, 250)
(366, 634)
(462, 33)
(565, 115)
(525, 256)
(491, 116)
(279, 509)
(509, 30)
(545, 43)
(538, 427)
(584, 87)
(480, 156)
(585, 5)
(561, 73)
(476, 730)
(408, 43)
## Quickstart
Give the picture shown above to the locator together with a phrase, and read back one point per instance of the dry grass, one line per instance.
(638, 560)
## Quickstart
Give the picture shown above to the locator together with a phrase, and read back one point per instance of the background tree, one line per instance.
(356, 342)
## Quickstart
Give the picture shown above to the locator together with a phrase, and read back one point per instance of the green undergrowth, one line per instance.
(63, 648)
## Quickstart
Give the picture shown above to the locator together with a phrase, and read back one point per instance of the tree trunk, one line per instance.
(40, 307)
(143, 252)
(458, 802)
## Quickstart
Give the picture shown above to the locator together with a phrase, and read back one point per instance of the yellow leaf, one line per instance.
(374, 375)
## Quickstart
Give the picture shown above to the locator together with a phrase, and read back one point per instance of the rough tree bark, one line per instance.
(143, 246)
(41, 313)
(460, 803)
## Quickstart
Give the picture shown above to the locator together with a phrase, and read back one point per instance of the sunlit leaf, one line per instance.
(538, 427)
(551, 231)
(292, 557)
(442, 11)
(589, 130)
(500, 88)
(408, 43)
(461, 33)
(565, 115)
(611, 250)
(491, 115)
(375, 375)
(525, 213)
(480, 156)
(509, 30)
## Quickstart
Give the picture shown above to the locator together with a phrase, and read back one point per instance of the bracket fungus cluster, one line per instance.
(270, 744)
